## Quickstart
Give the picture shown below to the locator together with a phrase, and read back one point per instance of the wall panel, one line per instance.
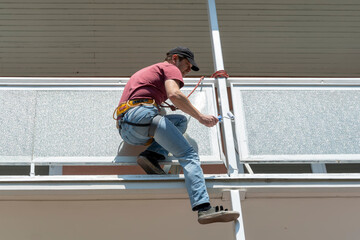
(98, 38)
(290, 38)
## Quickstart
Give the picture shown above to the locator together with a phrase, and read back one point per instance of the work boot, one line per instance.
(217, 214)
(148, 160)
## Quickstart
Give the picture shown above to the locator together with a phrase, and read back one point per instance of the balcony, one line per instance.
(288, 160)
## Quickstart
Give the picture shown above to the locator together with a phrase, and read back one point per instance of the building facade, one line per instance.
(286, 154)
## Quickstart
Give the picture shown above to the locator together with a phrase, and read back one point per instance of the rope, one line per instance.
(220, 73)
(202, 78)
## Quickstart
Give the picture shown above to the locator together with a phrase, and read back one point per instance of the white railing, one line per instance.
(297, 120)
(37, 113)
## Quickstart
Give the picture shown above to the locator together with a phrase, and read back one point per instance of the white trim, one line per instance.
(112, 161)
(86, 86)
(304, 179)
(208, 87)
(215, 36)
(296, 88)
(303, 158)
(81, 81)
(240, 124)
(32, 169)
(15, 160)
(294, 81)
(283, 84)
(228, 136)
(238, 225)
(173, 186)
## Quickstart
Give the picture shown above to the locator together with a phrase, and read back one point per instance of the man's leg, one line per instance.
(149, 159)
(180, 122)
(171, 139)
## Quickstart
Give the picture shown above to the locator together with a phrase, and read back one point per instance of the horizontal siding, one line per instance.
(117, 37)
(98, 37)
(297, 38)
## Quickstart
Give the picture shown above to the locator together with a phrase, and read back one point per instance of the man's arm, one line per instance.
(173, 92)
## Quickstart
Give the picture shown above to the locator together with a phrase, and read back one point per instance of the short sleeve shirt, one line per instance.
(149, 82)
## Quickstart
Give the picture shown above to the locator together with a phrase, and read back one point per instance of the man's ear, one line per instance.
(174, 57)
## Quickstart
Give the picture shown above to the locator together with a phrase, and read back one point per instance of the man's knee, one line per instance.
(183, 123)
(188, 155)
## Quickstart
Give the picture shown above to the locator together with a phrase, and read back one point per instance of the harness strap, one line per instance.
(135, 124)
(154, 124)
(125, 106)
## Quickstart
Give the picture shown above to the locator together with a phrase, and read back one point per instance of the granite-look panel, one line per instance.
(79, 123)
(76, 123)
(302, 121)
(197, 134)
(17, 122)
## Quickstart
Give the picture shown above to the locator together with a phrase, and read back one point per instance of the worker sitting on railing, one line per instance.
(140, 124)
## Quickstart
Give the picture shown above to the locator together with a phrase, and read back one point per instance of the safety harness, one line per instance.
(125, 106)
(122, 109)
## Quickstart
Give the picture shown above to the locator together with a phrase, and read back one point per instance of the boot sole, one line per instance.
(225, 216)
(148, 167)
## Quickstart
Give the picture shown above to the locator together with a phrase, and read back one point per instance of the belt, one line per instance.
(125, 106)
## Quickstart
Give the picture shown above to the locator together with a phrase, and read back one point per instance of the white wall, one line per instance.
(106, 219)
(302, 218)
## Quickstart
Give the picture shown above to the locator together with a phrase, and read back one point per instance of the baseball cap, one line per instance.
(185, 52)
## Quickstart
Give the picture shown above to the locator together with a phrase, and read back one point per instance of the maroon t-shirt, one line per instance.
(149, 82)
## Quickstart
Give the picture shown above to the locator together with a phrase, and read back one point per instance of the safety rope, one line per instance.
(220, 73)
(217, 74)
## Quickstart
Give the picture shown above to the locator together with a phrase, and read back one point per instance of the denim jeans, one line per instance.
(168, 138)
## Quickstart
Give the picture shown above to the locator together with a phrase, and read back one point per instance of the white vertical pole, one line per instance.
(32, 169)
(215, 36)
(239, 223)
(222, 91)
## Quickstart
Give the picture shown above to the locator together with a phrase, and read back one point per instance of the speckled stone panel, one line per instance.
(76, 123)
(197, 134)
(79, 123)
(302, 121)
(17, 122)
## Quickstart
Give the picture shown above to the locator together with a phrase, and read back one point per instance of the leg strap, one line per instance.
(136, 124)
(154, 124)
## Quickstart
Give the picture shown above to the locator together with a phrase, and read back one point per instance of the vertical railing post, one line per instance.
(239, 232)
(227, 131)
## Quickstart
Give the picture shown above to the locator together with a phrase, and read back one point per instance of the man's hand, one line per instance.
(208, 120)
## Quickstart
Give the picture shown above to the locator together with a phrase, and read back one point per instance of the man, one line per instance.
(140, 124)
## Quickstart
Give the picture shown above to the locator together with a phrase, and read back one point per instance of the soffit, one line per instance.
(97, 37)
(297, 38)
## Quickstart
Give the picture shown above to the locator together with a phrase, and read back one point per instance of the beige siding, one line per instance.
(290, 38)
(98, 37)
(117, 37)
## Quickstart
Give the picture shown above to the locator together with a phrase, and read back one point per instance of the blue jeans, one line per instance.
(168, 138)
